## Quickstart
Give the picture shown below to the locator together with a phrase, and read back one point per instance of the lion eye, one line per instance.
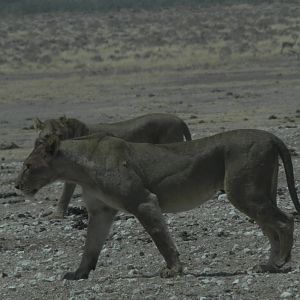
(38, 142)
(28, 165)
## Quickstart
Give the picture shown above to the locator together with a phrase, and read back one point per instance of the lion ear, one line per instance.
(63, 119)
(52, 144)
(38, 124)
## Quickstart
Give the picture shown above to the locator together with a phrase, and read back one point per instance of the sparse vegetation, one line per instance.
(134, 40)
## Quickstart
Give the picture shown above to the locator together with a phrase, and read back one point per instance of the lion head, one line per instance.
(37, 170)
(62, 127)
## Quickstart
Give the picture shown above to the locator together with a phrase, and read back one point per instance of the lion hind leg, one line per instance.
(275, 224)
(282, 226)
(285, 230)
(274, 241)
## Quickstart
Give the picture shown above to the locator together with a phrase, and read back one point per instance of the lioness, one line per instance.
(147, 180)
(151, 128)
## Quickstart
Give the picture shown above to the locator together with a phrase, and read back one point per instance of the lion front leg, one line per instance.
(64, 201)
(100, 221)
(150, 216)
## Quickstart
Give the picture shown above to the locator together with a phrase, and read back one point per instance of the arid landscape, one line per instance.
(218, 67)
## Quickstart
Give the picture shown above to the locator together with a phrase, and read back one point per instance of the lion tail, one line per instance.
(289, 172)
(186, 131)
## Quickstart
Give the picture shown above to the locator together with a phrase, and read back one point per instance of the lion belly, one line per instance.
(184, 198)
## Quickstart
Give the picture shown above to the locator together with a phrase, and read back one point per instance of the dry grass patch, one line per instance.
(177, 37)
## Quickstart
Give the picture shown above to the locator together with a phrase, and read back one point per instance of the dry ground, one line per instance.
(218, 68)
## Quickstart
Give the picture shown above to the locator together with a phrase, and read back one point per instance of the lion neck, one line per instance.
(74, 163)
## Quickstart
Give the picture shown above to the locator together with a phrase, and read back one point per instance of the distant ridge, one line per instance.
(48, 6)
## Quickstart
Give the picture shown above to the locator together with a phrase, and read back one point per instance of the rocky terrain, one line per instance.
(218, 245)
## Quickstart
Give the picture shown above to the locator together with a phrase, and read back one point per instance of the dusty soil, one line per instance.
(218, 244)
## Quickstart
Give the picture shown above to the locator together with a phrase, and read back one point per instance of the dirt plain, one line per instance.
(219, 68)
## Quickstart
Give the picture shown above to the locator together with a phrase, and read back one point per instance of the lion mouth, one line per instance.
(30, 193)
(33, 192)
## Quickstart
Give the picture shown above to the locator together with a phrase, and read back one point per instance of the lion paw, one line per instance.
(270, 268)
(75, 275)
(172, 272)
(56, 215)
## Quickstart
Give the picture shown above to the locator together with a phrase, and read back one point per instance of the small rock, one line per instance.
(32, 247)
(246, 250)
(222, 233)
(222, 197)
(151, 297)
(39, 276)
(8, 146)
(25, 264)
(272, 117)
(9, 195)
(33, 282)
(286, 295)
(21, 216)
(77, 211)
(108, 289)
(47, 250)
(17, 275)
(293, 152)
(67, 228)
(50, 279)
(186, 236)
(80, 225)
(96, 288)
(59, 253)
(132, 272)
(206, 280)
